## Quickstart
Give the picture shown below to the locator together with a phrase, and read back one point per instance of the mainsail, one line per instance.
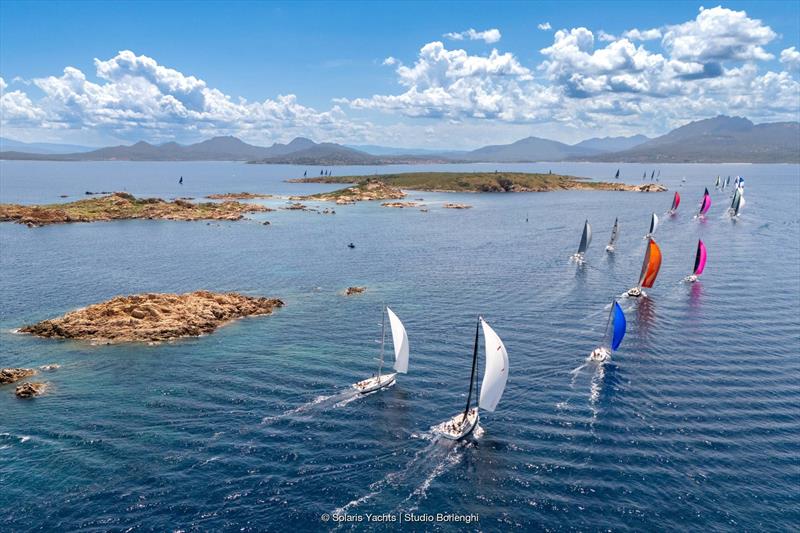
(706, 204)
(716, 185)
(676, 201)
(614, 232)
(400, 342)
(700, 258)
(495, 374)
(617, 174)
(586, 238)
(651, 265)
(738, 201)
(653, 224)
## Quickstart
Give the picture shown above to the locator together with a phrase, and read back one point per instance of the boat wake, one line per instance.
(417, 475)
(339, 399)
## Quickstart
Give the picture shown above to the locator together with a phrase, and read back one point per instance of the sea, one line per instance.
(693, 425)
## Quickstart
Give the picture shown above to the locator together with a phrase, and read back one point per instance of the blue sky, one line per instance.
(388, 73)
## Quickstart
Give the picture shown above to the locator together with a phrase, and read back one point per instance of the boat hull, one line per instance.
(457, 428)
(600, 355)
(636, 292)
(373, 383)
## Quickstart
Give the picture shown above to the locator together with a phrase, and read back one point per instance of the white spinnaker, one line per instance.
(400, 341)
(496, 373)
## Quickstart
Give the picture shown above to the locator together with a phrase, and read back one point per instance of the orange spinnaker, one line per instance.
(652, 264)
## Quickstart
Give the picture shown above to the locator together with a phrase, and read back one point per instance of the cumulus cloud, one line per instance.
(136, 97)
(544, 26)
(642, 35)
(489, 36)
(790, 57)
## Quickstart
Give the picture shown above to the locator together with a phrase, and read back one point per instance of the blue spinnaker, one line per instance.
(619, 327)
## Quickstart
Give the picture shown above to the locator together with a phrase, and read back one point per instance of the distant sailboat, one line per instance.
(586, 239)
(652, 175)
(615, 331)
(653, 226)
(659, 174)
(400, 343)
(716, 185)
(737, 203)
(644, 176)
(676, 201)
(180, 181)
(650, 267)
(705, 205)
(699, 262)
(616, 176)
(495, 375)
(614, 235)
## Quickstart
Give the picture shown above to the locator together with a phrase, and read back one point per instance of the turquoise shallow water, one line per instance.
(694, 425)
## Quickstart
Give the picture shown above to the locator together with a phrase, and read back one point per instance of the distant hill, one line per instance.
(7, 144)
(528, 149)
(612, 144)
(718, 140)
(374, 149)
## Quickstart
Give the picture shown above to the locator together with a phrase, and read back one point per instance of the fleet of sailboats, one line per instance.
(400, 343)
(495, 376)
(615, 331)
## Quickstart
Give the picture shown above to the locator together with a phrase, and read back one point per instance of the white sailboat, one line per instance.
(653, 226)
(400, 343)
(614, 235)
(495, 376)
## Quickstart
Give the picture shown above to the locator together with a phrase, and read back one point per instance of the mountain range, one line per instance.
(719, 139)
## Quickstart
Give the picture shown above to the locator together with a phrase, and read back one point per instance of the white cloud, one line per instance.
(489, 36)
(138, 98)
(544, 26)
(390, 61)
(605, 37)
(642, 35)
(791, 58)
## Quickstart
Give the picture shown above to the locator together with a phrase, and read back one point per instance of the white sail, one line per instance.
(400, 341)
(496, 373)
(653, 224)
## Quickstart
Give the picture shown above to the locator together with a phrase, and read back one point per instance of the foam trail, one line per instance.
(336, 400)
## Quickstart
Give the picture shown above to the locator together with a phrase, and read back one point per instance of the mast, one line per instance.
(607, 336)
(474, 365)
(383, 340)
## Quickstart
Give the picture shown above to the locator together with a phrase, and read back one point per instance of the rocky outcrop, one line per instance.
(650, 187)
(10, 375)
(30, 389)
(238, 196)
(153, 317)
(122, 206)
(354, 290)
(370, 189)
(399, 205)
(456, 206)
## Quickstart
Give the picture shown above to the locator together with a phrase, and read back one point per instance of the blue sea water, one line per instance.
(694, 425)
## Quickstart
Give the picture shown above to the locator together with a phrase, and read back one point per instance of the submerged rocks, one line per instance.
(10, 375)
(354, 290)
(399, 205)
(457, 206)
(30, 389)
(153, 317)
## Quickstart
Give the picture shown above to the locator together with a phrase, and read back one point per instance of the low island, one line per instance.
(391, 186)
(153, 317)
(124, 206)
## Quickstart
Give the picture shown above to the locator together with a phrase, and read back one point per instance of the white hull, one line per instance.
(635, 292)
(373, 383)
(578, 258)
(600, 355)
(610, 249)
(691, 279)
(457, 427)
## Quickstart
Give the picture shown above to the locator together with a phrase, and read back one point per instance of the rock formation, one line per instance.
(354, 290)
(30, 389)
(153, 317)
(10, 375)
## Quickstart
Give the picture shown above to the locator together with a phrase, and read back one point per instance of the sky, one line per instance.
(417, 75)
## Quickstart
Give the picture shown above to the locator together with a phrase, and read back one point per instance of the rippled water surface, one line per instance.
(694, 425)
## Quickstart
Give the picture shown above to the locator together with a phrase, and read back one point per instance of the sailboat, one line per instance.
(676, 201)
(644, 176)
(495, 375)
(659, 174)
(737, 203)
(614, 235)
(615, 331)
(650, 267)
(653, 226)
(705, 205)
(699, 262)
(616, 176)
(652, 175)
(586, 238)
(716, 185)
(400, 342)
